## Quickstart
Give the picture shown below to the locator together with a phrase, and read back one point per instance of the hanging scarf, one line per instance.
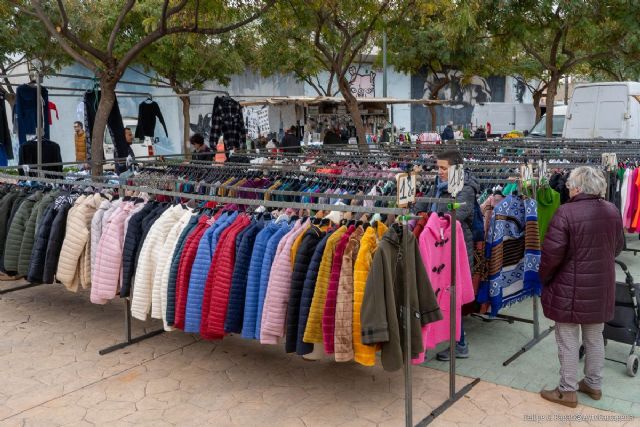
(441, 188)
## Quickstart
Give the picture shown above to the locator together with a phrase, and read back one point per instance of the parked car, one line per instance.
(140, 147)
(539, 130)
(608, 110)
(500, 118)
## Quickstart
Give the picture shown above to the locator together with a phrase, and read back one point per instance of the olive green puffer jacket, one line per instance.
(16, 231)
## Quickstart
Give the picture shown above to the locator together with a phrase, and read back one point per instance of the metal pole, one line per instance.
(408, 387)
(452, 308)
(39, 112)
(566, 89)
(384, 64)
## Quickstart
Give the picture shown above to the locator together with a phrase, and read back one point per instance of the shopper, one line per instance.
(80, 141)
(467, 196)
(201, 151)
(447, 134)
(290, 142)
(128, 136)
(332, 136)
(577, 270)
(480, 134)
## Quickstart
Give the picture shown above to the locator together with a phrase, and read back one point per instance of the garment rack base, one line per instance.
(18, 288)
(528, 346)
(447, 403)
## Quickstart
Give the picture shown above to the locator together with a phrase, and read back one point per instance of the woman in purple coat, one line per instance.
(577, 269)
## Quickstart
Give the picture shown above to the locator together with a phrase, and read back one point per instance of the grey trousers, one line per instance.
(568, 339)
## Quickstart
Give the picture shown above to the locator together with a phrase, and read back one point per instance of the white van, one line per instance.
(503, 117)
(604, 110)
(540, 128)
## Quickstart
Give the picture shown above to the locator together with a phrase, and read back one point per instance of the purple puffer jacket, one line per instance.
(577, 267)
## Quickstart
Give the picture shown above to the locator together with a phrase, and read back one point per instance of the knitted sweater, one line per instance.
(548, 203)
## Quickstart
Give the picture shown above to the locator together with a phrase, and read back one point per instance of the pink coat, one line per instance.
(437, 261)
(276, 299)
(105, 276)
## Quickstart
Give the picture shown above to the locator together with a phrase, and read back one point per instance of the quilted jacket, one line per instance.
(147, 224)
(29, 237)
(253, 280)
(343, 333)
(200, 270)
(312, 237)
(163, 265)
(146, 285)
(6, 204)
(274, 310)
(329, 312)
(364, 354)
(132, 241)
(16, 232)
(56, 237)
(187, 259)
(313, 331)
(267, 263)
(175, 264)
(244, 249)
(38, 253)
(96, 228)
(74, 265)
(105, 275)
(216, 295)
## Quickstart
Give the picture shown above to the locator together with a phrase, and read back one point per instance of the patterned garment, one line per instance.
(227, 121)
(513, 254)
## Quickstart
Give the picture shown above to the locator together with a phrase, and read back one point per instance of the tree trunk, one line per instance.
(434, 117)
(186, 117)
(537, 97)
(354, 111)
(107, 99)
(552, 89)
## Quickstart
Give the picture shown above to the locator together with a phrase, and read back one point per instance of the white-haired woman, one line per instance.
(577, 270)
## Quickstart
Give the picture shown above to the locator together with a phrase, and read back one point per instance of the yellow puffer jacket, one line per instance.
(313, 330)
(364, 354)
(296, 244)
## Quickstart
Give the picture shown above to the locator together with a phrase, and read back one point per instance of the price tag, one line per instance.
(455, 180)
(406, 184)
(609, 161)
(526, 172)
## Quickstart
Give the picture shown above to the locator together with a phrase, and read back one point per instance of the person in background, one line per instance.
(332, 136)
(447, 133)
(577, 270)
(128, 136)
(480, 134)
(201, 151)
(458, 134)
(80, 140)
(467, 196)
(290, 142)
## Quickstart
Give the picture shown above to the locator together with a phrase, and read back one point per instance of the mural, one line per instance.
(362, 85)
(463, 94)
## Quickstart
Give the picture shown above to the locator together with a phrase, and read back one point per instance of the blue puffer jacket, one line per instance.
(253, 280)
(200, 270)
(308, 289)
(244, 249)
(267, 262)
(173, 271)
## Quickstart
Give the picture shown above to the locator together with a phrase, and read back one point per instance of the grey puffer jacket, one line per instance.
(467, 197)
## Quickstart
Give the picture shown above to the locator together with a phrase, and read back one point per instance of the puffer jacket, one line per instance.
(6, 204)
(216, 295)
(313, 331)
(105, 276)
(29, 237)
(362, 353)
(187, 259)
(38, 253)
(384, 296)
(146, 286)
(17, 230)
(577, 266)
(56, 237)
(302, 264)
(343, 333)
(74, 265)
(132, 241)
(253, 280)
(235, 308)
(267, 262)
(96, 228)
(329, 312)
(200, 270)
(147, 225)
(175, 264)
(296, 245)
(308, 290)
(274, 311)
(163, 265)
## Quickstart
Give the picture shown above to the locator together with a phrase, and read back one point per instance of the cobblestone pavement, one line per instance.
(51, 374)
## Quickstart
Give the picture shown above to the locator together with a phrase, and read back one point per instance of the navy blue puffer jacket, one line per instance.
(131, 242)
(39, 251)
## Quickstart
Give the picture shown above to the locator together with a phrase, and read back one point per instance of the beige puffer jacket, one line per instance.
(74, 265)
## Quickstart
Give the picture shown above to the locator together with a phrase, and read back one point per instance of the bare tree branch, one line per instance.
(63, 14)
(531, 51)
(116, 28)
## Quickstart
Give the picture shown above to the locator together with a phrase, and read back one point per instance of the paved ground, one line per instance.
(51, 374)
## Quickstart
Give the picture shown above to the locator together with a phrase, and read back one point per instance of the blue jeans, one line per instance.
(462, 340)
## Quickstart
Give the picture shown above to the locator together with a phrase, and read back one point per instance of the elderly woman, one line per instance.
(578, 272)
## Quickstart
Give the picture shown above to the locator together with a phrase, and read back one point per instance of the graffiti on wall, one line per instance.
(362, 85)
(453, 87)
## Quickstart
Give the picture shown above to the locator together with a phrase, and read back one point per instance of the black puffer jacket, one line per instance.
(39, 252)
(29, 238)
(6, 203)
(308, 245)
(130, 247)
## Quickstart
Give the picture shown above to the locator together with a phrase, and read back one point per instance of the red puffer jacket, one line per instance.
(218, 284)
(577, 267)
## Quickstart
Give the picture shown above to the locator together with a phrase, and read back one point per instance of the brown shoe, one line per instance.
(566, 398)
(6, 278)
(591, 392)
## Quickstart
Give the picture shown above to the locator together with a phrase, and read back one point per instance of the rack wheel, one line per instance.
(632, 365)
(581, 353)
